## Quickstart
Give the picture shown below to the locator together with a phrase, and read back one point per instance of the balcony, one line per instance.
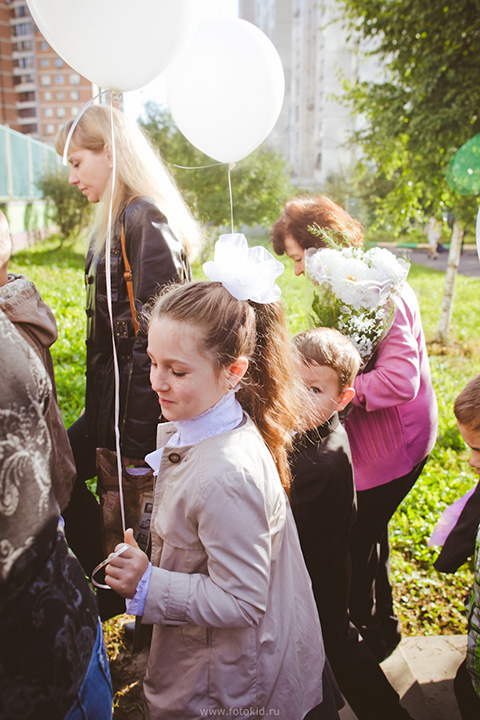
(25, 104)
(27, 120)
(25, 87)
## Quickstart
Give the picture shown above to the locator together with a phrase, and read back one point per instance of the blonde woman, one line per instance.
(160, 237)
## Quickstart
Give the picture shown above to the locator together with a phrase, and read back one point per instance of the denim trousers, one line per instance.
(94, 698)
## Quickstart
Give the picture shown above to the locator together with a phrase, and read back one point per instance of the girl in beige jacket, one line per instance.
(236, 631)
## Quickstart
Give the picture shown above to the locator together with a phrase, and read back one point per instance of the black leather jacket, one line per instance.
(156, 257)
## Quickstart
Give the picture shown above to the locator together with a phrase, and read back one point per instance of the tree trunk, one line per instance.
(452, 268)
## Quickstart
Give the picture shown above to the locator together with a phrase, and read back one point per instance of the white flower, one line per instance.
(355, 292)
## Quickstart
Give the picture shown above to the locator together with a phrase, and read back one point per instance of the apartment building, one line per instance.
(317, 53)
(38, 91)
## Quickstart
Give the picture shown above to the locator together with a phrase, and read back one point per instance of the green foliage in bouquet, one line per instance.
(324, 310)
(332, 240)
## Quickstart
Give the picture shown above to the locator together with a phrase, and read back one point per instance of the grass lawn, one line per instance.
(427, 602)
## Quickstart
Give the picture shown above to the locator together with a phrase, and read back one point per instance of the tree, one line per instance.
(260, 182)
(423, 111)
(68, 208)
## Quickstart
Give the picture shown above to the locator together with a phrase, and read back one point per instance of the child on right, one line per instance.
(467, 680)
(324, 506)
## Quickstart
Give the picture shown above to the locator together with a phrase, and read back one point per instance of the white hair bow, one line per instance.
(247, 273)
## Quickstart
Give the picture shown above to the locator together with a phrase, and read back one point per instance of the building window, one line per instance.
(20, 11)
(48, 112)
(74, 112)
(74, 94)
(20, 79)
(58, 62)
(25, 62)
(22, 29)
(74, 79)
(50, 129)
(61, 112)
(43, 46)
(59, 79)
(47, 96)
(26, 97)
(27, 113)
(60, 95)
(22, 45)
(45, 80)
(44, 62)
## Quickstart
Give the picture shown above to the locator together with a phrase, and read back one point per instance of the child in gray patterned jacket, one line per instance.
(22, 304)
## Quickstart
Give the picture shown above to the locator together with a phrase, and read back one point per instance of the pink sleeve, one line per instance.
(395, 379)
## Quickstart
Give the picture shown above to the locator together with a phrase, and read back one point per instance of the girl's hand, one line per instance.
(124, 572)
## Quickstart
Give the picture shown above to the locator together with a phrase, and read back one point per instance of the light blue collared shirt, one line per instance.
(225, 415)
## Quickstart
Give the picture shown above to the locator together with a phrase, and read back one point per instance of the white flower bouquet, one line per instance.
(354, 291)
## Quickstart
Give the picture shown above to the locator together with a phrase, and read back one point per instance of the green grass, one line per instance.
(427, 602)
(59, 277)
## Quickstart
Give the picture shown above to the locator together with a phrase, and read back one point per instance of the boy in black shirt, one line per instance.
(324, 505)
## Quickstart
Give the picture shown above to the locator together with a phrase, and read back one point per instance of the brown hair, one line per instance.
(327, 346)
(300, 213)
(234, 328)
(467, 405)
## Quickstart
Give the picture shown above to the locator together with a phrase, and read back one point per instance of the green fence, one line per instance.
(23, 161)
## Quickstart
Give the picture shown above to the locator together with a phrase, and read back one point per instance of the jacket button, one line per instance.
(89, 312)
(174, 457)
(90, 279)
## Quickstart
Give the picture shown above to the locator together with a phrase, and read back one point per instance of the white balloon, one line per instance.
(116, 44)
(225, 89)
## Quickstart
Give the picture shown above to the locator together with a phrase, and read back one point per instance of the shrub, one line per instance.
(68, 208)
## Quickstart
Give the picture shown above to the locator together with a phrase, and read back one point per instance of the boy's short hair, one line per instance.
(467, 405)
(5, 241)
(327, 346)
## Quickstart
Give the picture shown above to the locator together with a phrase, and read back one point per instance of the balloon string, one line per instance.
(108, 278)
(75, 122)
(230, 168)
(198, 167)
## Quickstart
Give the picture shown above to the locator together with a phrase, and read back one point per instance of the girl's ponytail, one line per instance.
(271, 393)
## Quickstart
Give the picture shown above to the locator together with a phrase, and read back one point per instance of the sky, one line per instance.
(134, 100)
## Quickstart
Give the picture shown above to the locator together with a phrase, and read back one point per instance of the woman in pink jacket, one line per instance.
(392, 425)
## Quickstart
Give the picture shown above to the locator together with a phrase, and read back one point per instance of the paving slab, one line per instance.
(422, 670)
(469, 264)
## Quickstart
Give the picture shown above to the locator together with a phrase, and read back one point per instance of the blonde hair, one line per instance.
(140, 172)
(467, 405)
(328, 346)
(232, 328)
(5, 241)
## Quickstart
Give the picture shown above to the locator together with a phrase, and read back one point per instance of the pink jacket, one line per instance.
(392, 425)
